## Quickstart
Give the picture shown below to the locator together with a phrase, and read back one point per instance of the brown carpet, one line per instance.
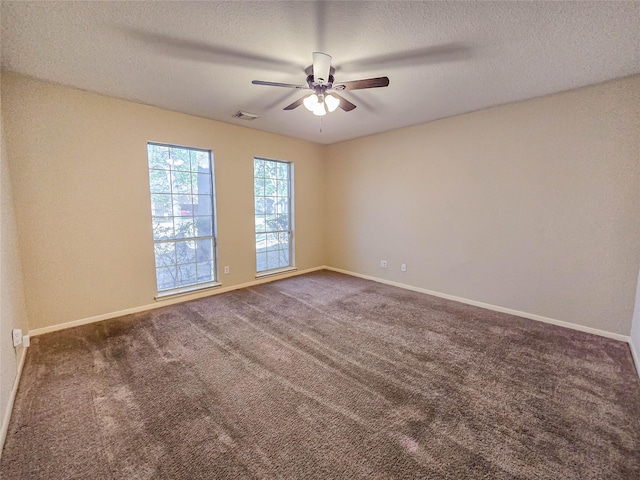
(324, 376)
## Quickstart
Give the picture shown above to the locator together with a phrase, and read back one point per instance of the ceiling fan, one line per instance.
(320, 80)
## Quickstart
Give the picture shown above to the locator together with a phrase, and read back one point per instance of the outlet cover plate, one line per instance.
(17, 337)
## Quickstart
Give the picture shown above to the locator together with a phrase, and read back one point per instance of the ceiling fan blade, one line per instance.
(277, 84)
(295, 104)
(345, 104)
(321, 68)
(360, 84)
(208, 53)
(446, 52)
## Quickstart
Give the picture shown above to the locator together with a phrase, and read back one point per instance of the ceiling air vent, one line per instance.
(246, 115)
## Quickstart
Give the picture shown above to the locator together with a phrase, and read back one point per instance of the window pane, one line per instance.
(181, 186)
(258, 187)
(261, 261)
(165, 253)
(200, 161)
(158, 156)
(181, 182)
(273, 260)
(203, 226)
(187, 274)
(283, 188)
(260, 223)
(272, 241)
(282, 205)
(283, 240)
(258, 168)
(259, 206)
(160, 205)
(185, 252)
(284, 258)
(166, 278)
(270, 169)
(159, 181)
(163, 228)
(193, 178)
(269, 186)
(205, 272)
(179, 159)
(204, 250)
(261, 242)
(283, 170)
(185, 227)
(283, 222)
(202, 183)
(183, 206)
(201, 204)
(270, 205)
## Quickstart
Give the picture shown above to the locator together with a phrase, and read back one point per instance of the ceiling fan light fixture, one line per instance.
(310, 102)
(319, 110)
(331, 102)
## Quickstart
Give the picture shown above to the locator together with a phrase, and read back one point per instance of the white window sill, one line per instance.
(186, 290)
(275, 272)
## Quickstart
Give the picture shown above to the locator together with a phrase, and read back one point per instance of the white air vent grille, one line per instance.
(246, 115)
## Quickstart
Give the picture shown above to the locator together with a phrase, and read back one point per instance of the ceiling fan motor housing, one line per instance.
(321, 68)
(313, 85)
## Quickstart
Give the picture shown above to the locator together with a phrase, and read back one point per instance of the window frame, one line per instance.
(197, 286)
(291, 215)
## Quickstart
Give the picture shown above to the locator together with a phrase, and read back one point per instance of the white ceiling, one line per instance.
(442, 58)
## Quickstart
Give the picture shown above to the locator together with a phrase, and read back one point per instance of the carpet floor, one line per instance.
(324, 376)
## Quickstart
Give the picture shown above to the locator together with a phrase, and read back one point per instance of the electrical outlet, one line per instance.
(403, 267)
(226, 270)
(383, 263)
(17, 337)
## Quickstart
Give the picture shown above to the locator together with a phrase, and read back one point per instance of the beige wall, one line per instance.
(13, 312)
(530, 206)
(79, 170)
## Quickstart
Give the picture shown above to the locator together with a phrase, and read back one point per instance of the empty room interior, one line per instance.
(320, 240)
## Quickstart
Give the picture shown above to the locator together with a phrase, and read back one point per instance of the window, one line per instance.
(182, 209)
(272, 181)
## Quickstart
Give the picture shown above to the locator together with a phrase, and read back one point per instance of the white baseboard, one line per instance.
(635, 355)
(496, 308)
(163, 302)
(12, 398)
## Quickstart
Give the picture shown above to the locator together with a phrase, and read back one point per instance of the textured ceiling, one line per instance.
(442, 58)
